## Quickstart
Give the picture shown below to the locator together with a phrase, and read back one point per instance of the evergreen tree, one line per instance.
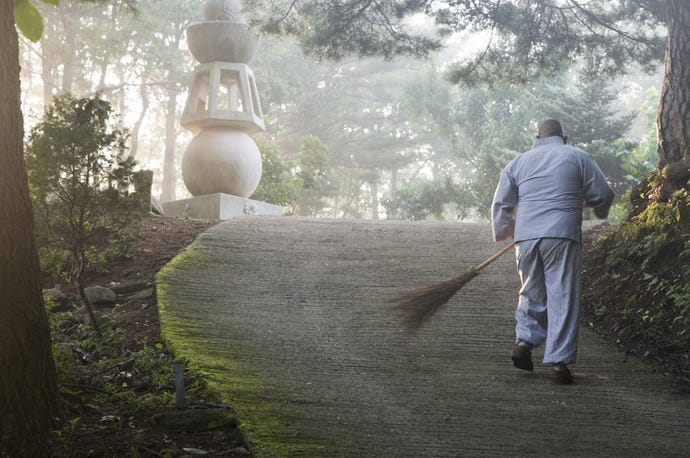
(83, 192)
(586, 108)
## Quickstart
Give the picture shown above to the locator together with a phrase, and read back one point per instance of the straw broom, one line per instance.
(415, 306)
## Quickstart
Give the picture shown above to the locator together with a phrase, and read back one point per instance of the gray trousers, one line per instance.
(549, 305)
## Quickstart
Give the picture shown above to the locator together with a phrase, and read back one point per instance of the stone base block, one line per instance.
(219, 206)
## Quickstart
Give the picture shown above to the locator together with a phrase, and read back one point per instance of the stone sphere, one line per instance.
(223, 10)
(222, 160)
(222, 41)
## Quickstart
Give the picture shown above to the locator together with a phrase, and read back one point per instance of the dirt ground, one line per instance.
(156, 240)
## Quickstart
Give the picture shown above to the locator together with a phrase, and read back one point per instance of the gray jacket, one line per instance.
(540, 193)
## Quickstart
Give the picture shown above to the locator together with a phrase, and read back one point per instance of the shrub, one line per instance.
(83, 191)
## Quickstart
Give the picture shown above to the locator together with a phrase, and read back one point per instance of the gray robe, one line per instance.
(538, 202)
(550, 183)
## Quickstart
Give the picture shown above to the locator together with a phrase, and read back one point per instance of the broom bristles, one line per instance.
(414, 307)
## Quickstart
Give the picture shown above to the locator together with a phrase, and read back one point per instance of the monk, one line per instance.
(538, 203)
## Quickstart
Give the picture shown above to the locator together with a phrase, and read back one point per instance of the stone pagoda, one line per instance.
(222, 166)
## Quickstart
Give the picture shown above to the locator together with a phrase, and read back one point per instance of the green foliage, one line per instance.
(422, 199)
(386, 126)
(332, 30)
(679, 294)
(641, 161)
(83, 193)
(313, 163)
(107, 377)
(484, 129)
(314, 177)
(528, 39)
(304, 184)
(352, 107)
(28, 19)
(646, 273)
(278, 183)
(477, 133)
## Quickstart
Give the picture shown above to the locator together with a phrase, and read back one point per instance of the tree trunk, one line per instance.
(168, 186)
(47, 74)
(394, 181)
(71, 43)
(120, 71)
(674, 109)
(374, 185)
(143, 92)
(28, 389)
(84, 300)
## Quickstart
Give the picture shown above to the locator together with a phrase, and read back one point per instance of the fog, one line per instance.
(395, 139)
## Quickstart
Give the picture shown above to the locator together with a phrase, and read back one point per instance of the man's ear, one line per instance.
(565, 139)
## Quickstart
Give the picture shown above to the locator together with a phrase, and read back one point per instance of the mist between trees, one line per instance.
(356, 138)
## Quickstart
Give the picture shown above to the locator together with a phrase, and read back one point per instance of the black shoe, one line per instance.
(561, 376)
(522, 358)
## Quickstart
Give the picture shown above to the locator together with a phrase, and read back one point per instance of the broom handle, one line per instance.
(503, 251)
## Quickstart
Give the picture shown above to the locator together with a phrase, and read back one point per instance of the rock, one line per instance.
(148, 293)
(123, 289)
(81, 314)
(156, 206)
(57, 299)
(195, 420)
(195, 451)
(99, 295)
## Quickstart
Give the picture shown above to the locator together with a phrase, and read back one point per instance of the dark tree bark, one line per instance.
(168, 186)
(673, 120)
(674, 108)
(28, 390)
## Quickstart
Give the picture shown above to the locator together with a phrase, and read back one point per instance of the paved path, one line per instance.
(288, 317)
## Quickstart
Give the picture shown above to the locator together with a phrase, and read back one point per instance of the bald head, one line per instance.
(549, 128)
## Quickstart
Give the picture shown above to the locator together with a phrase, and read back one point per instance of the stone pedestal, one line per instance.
(220, 206)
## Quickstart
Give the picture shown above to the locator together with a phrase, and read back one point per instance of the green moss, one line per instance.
(264, 420)
(195, 420)
(639, 277)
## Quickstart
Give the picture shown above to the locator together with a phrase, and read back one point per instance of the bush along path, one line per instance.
(286, 319)
(637, 293)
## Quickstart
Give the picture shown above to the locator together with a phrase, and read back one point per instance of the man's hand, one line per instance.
(601, 209)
